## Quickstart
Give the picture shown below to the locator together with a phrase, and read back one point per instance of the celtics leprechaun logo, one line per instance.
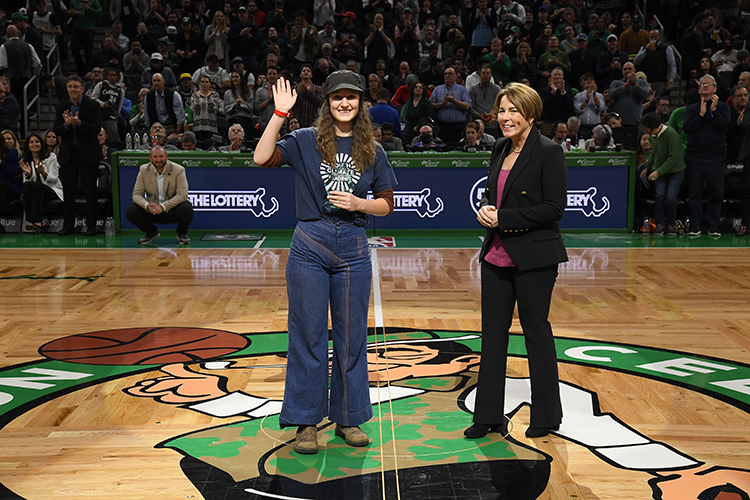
(422, 390)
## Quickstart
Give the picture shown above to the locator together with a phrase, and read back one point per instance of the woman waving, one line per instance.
(336, 162)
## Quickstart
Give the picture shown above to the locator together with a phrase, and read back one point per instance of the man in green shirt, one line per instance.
(551, 59)
(665, 167)
(84, 14)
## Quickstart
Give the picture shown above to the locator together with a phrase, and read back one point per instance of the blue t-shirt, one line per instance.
(313, 179)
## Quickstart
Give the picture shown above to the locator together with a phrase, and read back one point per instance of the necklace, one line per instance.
(514, 151)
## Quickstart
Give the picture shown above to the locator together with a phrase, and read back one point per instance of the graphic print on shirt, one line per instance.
(342, 177)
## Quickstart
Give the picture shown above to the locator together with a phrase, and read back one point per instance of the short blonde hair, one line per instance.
(524, 98)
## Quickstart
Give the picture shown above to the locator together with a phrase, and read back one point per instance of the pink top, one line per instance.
(497, 254)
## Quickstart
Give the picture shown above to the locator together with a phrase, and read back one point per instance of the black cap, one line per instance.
(343, 79)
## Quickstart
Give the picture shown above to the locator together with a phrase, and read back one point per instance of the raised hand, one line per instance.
(284, 95)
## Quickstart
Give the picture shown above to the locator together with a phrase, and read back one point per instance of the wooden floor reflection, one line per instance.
(98, 442)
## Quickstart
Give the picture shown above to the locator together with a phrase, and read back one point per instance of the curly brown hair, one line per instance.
(363, 140)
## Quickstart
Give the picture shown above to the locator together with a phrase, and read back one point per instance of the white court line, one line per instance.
(376, 290)
(260, 242)
(271, 495)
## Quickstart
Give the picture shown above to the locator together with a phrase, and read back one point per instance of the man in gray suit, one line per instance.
(160, 196)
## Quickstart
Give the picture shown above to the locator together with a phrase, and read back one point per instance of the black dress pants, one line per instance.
(34, 196)
(502, 289)
(70, 172)
(182, 214)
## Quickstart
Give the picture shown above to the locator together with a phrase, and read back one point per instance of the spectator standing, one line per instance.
(219, 77)
(136, 60)
(244, 40)
(553, 58)
(264, 106)
(378, 42)
(10, 190)
(634, 38)
(257, 17)
(599, 39)
(309, 98)
(735, 133)
(323, 11)
(482, 22)
(406, 36)
(483, 97)
(77, 124)
(41, 180)
(697, 44)
(382, 112)
(206, 104)
(84, 14)
(523, 66)
(706, 123)
(10, 111)
(628, 95)
(157, 66)
(303, 42)
(415, 110)
(129, 12)
(110, 96)
(216, 38)
(499, 62)
(510, 14)
(744, 156)
(28, 33)
(18, 62)
(589, 104)
(657, 60)
(665, 167)
(609, 63)
(557, 99)
(48, 25)
(188, 46)
(239, 102)
(167, 204)
(164, 105)
(452, 103)
(542, 19)
(582, 61)
(101, 57)
(433, 75)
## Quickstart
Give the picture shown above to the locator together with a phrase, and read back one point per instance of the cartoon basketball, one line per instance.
(144, 346)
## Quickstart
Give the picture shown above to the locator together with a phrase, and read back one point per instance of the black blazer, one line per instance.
(533, 200)
(745, 148)
(88, 147)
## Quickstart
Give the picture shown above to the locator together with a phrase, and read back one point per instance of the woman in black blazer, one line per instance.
(521, 251)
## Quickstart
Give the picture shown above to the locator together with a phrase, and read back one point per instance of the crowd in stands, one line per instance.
(197, 74)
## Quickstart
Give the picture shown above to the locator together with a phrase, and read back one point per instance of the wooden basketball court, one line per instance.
(75, 430)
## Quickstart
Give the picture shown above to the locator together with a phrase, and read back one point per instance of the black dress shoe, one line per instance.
(91, 232)
(478, 430)
(537, 432)
(65, 231)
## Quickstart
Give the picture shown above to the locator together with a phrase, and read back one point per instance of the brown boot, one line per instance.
(352, 435)
(307, 440)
